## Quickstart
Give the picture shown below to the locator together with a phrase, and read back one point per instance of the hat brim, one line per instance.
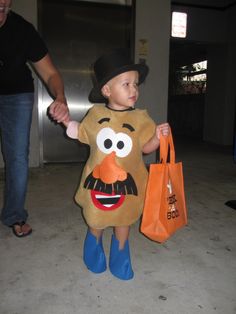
(95, 96)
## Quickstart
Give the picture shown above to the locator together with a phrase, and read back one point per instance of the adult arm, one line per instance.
(51, 77)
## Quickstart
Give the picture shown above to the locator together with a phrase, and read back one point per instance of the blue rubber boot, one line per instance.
(94, 256)
(120, 263)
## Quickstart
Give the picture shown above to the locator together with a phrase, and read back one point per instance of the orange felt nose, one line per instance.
(108, 171)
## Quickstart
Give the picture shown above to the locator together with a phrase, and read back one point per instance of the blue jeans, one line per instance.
(15, 123)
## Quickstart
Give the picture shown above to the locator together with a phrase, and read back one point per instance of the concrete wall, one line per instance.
(153, 25)
(221, 92)
(231, 77)
(221, 95)
(216, 94)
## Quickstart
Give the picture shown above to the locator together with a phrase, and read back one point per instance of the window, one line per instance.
(191, 79)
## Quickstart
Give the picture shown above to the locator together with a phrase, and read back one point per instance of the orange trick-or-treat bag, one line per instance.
(164, 208)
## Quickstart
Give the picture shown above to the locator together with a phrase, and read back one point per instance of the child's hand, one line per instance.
(154, 142)
(66, 121)
(163, 129)
(58, 110)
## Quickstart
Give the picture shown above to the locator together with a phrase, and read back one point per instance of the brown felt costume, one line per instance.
(113, 182)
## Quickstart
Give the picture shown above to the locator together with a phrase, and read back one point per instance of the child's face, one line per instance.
(122, 90)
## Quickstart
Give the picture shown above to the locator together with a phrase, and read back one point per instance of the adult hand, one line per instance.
(59, 111)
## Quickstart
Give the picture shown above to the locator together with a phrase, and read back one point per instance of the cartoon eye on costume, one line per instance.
(108, 141)
(105, 139)
(123, 144)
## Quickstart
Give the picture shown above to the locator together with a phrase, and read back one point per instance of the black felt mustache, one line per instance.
(125, 187)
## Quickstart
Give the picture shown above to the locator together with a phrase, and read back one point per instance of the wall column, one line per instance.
(153, 26)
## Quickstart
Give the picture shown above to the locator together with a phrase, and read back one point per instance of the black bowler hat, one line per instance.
(111, 65)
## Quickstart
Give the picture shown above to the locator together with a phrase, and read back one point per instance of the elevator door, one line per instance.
(76, 33)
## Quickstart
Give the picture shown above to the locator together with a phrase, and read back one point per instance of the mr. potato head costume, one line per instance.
(113, 182)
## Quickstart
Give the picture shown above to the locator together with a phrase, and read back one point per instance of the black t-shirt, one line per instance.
(19, 43)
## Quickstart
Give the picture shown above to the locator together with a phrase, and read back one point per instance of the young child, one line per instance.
(113, 182)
